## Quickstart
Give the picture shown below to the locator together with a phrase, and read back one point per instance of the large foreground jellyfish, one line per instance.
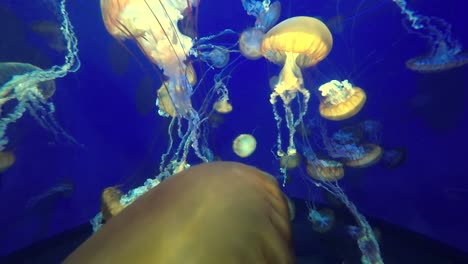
(28, 87)
(446, 52)
(295, 43)
(220, 212)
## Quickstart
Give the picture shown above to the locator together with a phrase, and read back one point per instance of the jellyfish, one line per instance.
(393, 157)
(250, 43)
(322, 220)
(27, 87)
(295, 43)
(218, 212)
(218, 57)
(244, 145)
(342, 100)
(110, 202)
(222, 106)
(325, 170)
(366, 238)
(446, 51)
(153, 25)
(290, 162)
(7, 159)
(372, 154)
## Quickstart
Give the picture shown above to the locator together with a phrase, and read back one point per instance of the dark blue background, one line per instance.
(426, 114)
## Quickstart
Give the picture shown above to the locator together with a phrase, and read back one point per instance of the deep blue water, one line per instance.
(123, 138)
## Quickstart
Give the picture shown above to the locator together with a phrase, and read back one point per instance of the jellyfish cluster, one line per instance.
(158, 29)
(446, 52)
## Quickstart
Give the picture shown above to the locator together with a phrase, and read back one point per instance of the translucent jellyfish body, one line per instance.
(218, 57)
(222, 106)
(244, 145)
(446, 51)
(153, 25)
(322, 220)
(372, 155)
(342, 100)
(250, 42)
(295, 43)
(29, 87)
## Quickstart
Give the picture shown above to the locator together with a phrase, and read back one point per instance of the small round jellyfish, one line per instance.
(322, 220)
(250, 42)
(342, 100)
(372, 155)
(244, 145)
(218, 57)
(325, 170)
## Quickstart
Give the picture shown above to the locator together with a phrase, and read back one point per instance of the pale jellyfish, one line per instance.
(244, 145)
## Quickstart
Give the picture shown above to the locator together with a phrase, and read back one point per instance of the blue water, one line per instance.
(123, 137)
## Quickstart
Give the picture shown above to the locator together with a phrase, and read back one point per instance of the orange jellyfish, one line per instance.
(220, 212)
(295, 43)
(373, 153)
(342, 100)
(325, 170)
(153, 25)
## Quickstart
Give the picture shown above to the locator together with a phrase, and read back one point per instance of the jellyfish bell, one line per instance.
(10, 69)
(222, 106)
(244, 145)
(438, 62)
(341, 100)
(218, 212)
(250, 42)
(291, 161)
(373, 153)
(7, 159)
(325, 170)
(218, 57)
